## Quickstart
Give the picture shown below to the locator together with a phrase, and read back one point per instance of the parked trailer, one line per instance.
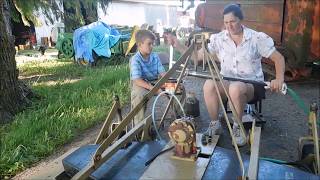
(294, 26)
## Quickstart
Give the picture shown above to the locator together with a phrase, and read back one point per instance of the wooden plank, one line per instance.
(164, 166)
(254, 157)
(209, 148)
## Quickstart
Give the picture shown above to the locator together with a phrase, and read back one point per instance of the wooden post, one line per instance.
(104, 132)
(254, 156)
(313, 121)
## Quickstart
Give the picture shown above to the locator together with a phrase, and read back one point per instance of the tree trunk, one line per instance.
(78, 13)
(72, 15)
(13, 94)
(89, 12)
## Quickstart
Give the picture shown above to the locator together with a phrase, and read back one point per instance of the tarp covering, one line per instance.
(97, 36)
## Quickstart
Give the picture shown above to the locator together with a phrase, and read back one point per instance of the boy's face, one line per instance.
(146, 46)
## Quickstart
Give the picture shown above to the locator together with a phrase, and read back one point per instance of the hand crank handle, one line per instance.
(284, 87)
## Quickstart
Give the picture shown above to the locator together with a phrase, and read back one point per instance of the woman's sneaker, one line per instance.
(241, 140)
(214, 129)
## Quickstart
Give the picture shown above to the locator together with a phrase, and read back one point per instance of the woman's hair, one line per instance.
(234, 9)
(142, 35)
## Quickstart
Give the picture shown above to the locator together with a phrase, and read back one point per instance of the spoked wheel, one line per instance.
(174, 111)
(67, 48)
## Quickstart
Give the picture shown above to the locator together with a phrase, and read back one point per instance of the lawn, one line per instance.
(71, 99)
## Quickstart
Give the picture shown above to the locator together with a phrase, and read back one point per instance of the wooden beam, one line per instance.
(314, 130)
(216, 70)
(104, 131)
(233, 109)
(254, 156)
(92, 166)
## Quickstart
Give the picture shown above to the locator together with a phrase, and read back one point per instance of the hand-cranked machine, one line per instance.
(184, 156)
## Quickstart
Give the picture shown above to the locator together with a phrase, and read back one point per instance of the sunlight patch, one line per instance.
(57, 82)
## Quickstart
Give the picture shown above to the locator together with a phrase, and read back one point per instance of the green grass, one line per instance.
(31, 52)
(72, 98)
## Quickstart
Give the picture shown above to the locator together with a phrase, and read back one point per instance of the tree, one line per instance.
(78, 13)
(14, 94)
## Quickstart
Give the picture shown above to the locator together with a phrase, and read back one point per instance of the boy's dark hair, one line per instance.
(234, 9)
(142, 35)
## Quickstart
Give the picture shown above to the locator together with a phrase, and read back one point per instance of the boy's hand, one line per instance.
(159, 91)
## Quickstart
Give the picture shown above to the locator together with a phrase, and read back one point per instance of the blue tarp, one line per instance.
(97, 36)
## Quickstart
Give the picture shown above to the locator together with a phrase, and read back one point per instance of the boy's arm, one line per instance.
(142, 83)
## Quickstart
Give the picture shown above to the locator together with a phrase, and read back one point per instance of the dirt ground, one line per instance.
(286, 122)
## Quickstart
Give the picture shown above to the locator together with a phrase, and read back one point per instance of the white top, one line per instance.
(242, 61)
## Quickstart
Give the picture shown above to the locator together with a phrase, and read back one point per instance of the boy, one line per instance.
(145, 67)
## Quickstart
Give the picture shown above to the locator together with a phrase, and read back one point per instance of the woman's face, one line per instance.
(232, 24)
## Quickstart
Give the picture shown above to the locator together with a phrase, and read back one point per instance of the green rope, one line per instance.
(300, 102)
(273, 160)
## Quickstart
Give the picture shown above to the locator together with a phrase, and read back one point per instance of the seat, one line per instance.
(255, 112)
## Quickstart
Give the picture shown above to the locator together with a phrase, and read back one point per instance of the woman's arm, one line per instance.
(279, 63)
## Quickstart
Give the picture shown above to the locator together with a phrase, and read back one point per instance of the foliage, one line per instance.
(72, 98)
(27, 8)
